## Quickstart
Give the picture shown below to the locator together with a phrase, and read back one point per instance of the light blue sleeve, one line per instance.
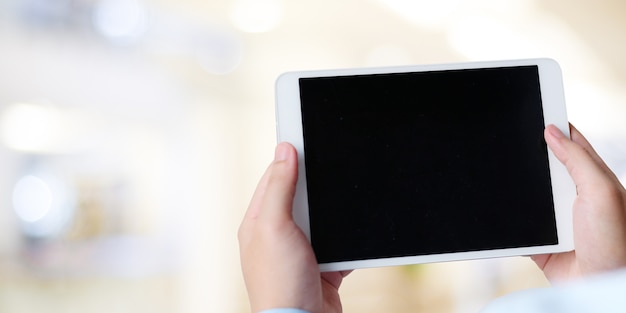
(605, 293)
(284, 311)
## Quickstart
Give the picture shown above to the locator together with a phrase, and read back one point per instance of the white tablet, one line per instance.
(431, 163)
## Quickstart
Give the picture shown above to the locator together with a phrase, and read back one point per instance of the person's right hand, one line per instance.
(599, 212)
(277, 260)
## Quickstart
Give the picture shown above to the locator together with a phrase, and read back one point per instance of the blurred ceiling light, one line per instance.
(43, 204)
(32, 199)
(46, 129)
(257, 16)
(122, 21)
(424, 13)
(32, 128)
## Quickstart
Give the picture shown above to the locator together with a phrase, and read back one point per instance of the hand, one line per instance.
(599, 212)
(279, 267)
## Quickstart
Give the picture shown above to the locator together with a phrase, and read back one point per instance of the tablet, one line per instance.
(432, 163)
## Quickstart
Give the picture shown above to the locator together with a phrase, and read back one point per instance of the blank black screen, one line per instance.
(422, 163)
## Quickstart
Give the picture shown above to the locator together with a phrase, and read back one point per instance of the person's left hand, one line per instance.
(279, 267)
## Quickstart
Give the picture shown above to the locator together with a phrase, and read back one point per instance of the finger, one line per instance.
(541, 259)
(334, 278)
(578, 138)
(277, 201)
(581, 165)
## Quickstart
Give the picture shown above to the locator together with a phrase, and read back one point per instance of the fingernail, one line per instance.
(555, 132)
(282, 152)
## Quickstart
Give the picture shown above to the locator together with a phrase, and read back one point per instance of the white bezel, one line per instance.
(289, 129)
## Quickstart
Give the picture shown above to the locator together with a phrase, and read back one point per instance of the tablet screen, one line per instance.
(408, 164)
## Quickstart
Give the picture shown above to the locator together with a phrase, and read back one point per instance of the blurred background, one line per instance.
(133, 132)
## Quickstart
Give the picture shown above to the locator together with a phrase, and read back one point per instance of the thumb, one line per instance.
(582, 162)
(281, 178)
